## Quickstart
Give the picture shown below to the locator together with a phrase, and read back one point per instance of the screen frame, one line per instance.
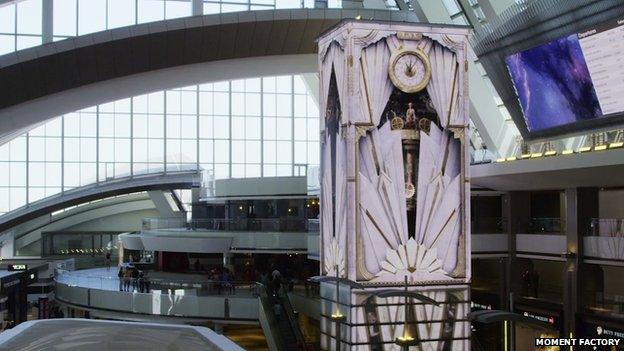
(494, 45)
(570, 129)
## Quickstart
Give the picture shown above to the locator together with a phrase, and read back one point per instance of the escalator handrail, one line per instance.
(292, 320)
(263, 298)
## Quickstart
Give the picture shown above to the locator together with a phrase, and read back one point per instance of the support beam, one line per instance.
(498, 134)
(47, 19)
(495, 7)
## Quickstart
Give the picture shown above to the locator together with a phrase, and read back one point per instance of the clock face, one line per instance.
(409, 70)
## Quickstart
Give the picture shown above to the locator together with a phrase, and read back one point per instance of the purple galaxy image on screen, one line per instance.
(553, 84)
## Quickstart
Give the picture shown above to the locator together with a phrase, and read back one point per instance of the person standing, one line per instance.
(120, 275)
(135, 278)
(127, 277)
(108, 261)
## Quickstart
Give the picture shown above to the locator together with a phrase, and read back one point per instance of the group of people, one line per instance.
(132, 279)
(223, 280)
(220, 279)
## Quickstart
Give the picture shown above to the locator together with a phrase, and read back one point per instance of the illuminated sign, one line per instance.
(542, 318)
(602, 331)
(480, 306)
(17, 267)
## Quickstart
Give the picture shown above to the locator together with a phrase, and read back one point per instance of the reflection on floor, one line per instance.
(249, 337)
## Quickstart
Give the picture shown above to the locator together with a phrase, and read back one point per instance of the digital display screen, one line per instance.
(571, 79)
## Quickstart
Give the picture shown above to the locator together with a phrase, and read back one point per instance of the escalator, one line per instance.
(295, 339)
(286, 329)
(279, 322)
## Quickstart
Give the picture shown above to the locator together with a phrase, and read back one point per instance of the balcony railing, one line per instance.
(604, 239)
(241, 224)
(606, 227)
(544, 226)
(89, 279)
(488, 225)
(607, 304)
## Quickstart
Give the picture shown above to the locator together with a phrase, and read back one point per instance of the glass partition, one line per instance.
(79, 244)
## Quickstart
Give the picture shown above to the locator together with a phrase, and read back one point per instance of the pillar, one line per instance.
(380, 223)
(320, 4)
(197, 7)
(516, 211)
(581, 205)
(47, 21)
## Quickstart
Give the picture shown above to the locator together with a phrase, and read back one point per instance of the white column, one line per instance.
(198, 7)
(47, 19)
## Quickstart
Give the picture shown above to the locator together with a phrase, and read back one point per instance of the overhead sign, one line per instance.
(547, 318)
(17, 267)
(475, 306)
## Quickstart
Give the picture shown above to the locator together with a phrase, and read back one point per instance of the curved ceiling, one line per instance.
(55, 78)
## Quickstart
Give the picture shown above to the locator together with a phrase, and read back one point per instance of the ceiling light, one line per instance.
(600, 147)
(584, 149)
(567, 152)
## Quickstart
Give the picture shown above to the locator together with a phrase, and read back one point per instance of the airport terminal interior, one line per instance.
(301, 175)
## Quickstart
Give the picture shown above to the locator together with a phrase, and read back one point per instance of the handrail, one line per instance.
(209, 288)
(272, 325)
(235, 224)
(292, 320)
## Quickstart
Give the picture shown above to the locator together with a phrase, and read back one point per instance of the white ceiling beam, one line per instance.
(498, 136)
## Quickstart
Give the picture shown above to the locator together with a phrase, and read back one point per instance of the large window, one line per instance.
(243, 128)
(20, 25)
(22, 21)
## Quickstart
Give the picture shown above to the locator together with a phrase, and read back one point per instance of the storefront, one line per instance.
(14, 281)
(488, 336)
(601, 327)
(548, 324)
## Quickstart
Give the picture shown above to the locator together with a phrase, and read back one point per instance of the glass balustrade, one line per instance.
(241, 224)
(103, 279)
